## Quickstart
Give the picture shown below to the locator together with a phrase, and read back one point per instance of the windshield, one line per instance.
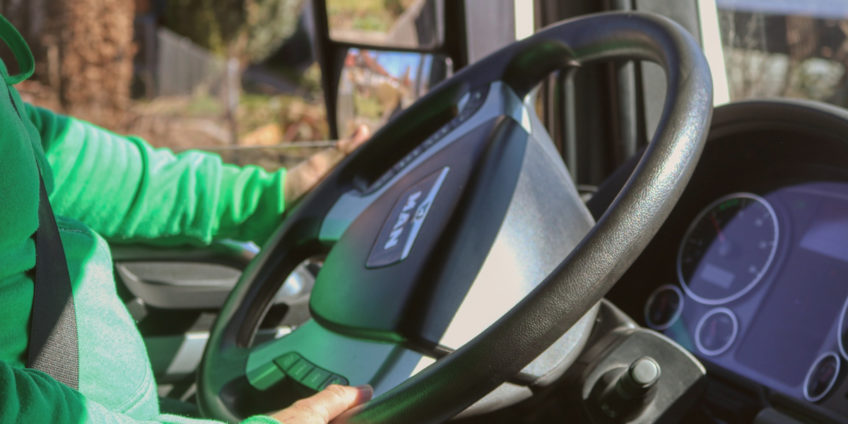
(785, 48)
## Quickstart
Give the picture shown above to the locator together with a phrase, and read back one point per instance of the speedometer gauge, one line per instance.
(727, 248)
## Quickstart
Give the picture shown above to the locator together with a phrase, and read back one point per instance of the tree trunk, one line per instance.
(29, 17)
(92, 41)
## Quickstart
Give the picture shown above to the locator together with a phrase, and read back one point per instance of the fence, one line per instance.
(183, 68)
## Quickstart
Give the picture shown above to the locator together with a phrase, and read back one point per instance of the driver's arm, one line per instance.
(29, 396)
(128, 191)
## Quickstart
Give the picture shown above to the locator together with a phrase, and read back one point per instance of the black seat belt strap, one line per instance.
(53, 346)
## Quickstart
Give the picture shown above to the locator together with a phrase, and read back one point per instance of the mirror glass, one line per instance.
(375, 85)
(385, 23)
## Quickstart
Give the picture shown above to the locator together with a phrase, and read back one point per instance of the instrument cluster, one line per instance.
(762, 283)
(750, 270)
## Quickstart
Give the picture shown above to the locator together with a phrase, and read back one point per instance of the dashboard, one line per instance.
(750, 272)
(761, 287)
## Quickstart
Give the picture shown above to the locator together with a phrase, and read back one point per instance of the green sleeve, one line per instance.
(128, 191)
(29, 396)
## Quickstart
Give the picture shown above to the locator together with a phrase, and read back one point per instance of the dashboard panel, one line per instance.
(764, 286)
(750, 272)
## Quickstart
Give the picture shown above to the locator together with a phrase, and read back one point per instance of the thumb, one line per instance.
(325, 405)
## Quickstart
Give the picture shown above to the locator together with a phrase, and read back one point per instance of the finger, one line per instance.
(345, 417)
(359, 136)
(336, 399)
(325, 405)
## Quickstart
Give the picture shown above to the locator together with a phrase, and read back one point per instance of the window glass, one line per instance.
(182, 73)
(785, 48)
(388, 23)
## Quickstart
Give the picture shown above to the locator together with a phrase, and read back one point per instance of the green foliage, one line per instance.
(204, 105)
(212, 24)
(368, 15)
(367, 107)
(247, 29)
(269, 23)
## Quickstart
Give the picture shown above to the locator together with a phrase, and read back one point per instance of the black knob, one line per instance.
(642, 374)
(630, 392)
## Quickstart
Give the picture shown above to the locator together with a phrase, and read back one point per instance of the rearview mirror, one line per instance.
(375, 85)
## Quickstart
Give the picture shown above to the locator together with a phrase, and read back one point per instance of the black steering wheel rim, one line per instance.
(575, 286)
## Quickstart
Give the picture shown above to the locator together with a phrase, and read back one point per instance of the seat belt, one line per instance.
(53, 346)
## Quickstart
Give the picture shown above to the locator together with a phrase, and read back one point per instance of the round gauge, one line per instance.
(843, 331)
(727, 248)
(821, 377)
(716, 331)
(663, 307)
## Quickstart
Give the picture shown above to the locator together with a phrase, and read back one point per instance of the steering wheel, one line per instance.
(410, 222)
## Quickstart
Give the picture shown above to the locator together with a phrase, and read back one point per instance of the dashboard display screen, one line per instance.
(795, 318)
(786, 335)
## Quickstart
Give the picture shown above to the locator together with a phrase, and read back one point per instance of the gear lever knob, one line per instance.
(630, 392)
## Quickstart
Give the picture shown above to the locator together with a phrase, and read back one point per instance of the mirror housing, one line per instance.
(331, 49)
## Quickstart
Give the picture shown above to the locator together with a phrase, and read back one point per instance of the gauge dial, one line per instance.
(843, 330)
(716, 331)
(663, 307)
(727, 248)
(821, 377)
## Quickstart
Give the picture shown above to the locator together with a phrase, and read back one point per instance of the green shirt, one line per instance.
(102, 185)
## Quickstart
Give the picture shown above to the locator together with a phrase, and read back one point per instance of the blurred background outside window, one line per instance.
(232, 76)
(786, 48)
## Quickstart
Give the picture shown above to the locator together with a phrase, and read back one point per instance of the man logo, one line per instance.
(422, 210)
(405, 221)
(402, 219)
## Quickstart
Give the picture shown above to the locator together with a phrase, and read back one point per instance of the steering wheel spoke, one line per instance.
(310, 358)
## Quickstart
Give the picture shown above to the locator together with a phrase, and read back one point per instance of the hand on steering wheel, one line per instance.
(323, 407)
(306, 174)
